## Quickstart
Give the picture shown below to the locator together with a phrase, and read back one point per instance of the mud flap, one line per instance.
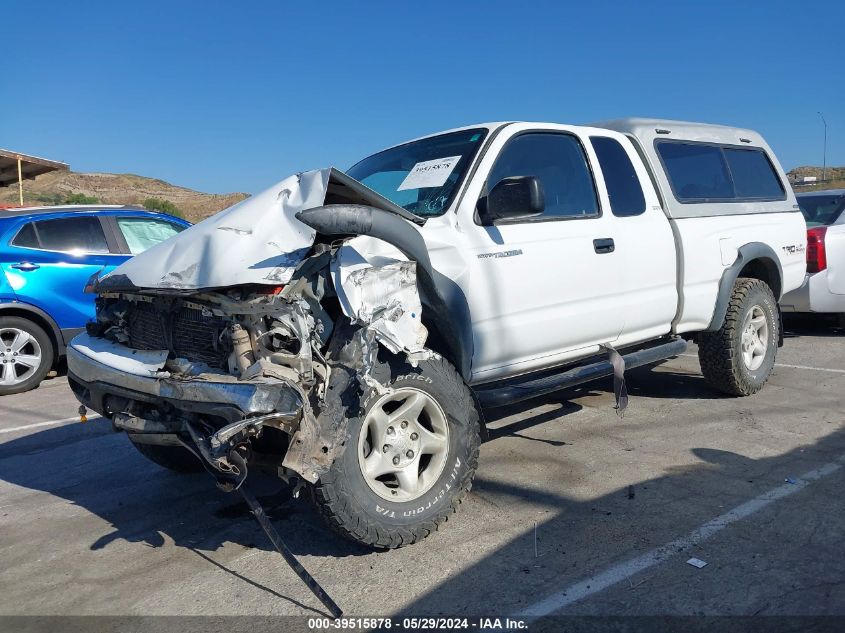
(620, 390)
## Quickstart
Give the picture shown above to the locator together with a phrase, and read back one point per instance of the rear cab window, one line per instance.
(78, 234)
(620, 177)
(703, 172)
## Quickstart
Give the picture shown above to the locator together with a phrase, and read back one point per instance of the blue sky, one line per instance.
(233, 96)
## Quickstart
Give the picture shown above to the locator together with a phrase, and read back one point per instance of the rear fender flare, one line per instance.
(746, 254)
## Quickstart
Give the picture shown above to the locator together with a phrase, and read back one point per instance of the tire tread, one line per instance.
(716, 350)
(331, 494)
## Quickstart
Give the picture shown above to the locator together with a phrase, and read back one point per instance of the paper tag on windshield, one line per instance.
(431, 173)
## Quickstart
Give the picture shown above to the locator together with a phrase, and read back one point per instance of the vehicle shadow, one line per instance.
(500, 424)
(654, 381)
(819, 325)
(97, 469)
(668, 382)
(550, 555)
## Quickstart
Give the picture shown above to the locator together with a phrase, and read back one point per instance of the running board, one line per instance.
(526, 388)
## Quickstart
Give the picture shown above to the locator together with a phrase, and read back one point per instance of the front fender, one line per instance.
(442, 298)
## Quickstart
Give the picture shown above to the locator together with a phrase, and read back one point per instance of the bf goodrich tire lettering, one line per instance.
(732, 359)
(359, 508)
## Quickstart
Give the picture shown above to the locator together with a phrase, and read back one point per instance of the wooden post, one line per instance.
(20, 181)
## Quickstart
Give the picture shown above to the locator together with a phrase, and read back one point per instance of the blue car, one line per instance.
(47, 255)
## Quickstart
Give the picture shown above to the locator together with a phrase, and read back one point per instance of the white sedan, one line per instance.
(824, 287)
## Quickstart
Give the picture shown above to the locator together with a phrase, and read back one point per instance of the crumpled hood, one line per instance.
(257, 241)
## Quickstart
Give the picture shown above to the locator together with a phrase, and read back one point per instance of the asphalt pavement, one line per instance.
(574, 511)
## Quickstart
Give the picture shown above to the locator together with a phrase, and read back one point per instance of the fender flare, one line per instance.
(439, 294)
(745, 254)
(53, 327)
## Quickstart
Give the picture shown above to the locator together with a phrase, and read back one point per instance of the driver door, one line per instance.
(543, 289)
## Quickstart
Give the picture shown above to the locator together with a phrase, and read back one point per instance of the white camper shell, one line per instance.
(650, 136)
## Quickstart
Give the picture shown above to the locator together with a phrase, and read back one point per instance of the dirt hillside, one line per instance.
(54, 188)
(834, 178)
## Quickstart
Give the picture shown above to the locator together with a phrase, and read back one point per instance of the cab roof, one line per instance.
(649, 129)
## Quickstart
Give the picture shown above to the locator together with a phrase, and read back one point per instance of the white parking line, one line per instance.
(14, 429)
(834, 371)
(623, 571)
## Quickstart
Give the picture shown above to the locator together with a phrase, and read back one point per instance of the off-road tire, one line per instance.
(48, 354)
(354, 510)
(719, 352)
(175, 458)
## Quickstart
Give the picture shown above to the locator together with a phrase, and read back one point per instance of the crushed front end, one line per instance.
(170, 368)
(260, 370)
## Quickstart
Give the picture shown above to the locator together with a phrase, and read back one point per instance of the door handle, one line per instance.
(26, 266)
(604, 245)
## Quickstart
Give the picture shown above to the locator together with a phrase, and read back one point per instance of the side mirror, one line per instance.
(513, 198)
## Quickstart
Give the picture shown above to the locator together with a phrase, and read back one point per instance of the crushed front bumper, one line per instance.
(94, 383)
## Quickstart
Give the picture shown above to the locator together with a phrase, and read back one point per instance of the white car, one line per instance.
(346, 329)
(823, 289)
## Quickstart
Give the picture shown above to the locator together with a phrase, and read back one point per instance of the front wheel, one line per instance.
(738, 358)
(409, 456)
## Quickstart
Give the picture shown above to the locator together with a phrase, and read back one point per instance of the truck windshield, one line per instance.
(821, 209)
(421, 176)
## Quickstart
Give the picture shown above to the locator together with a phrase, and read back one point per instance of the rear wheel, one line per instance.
(26, 355)
(409, 458)
(174, 458)
(738, 358)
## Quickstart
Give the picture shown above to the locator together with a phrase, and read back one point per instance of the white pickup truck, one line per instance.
(347, 330)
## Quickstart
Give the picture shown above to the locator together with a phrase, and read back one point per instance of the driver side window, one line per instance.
(558, 161)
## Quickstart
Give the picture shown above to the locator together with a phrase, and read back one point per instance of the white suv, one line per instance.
(823, 289)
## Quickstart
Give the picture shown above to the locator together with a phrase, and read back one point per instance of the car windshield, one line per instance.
(421, 176)
(821, 209)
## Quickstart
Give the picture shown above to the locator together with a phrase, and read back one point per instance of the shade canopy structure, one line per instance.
(16, 167)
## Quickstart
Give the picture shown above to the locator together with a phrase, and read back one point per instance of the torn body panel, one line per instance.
(385, 299)
(257, 241)
(239, 340)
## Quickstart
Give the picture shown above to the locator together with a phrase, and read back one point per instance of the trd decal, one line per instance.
(793, 249)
